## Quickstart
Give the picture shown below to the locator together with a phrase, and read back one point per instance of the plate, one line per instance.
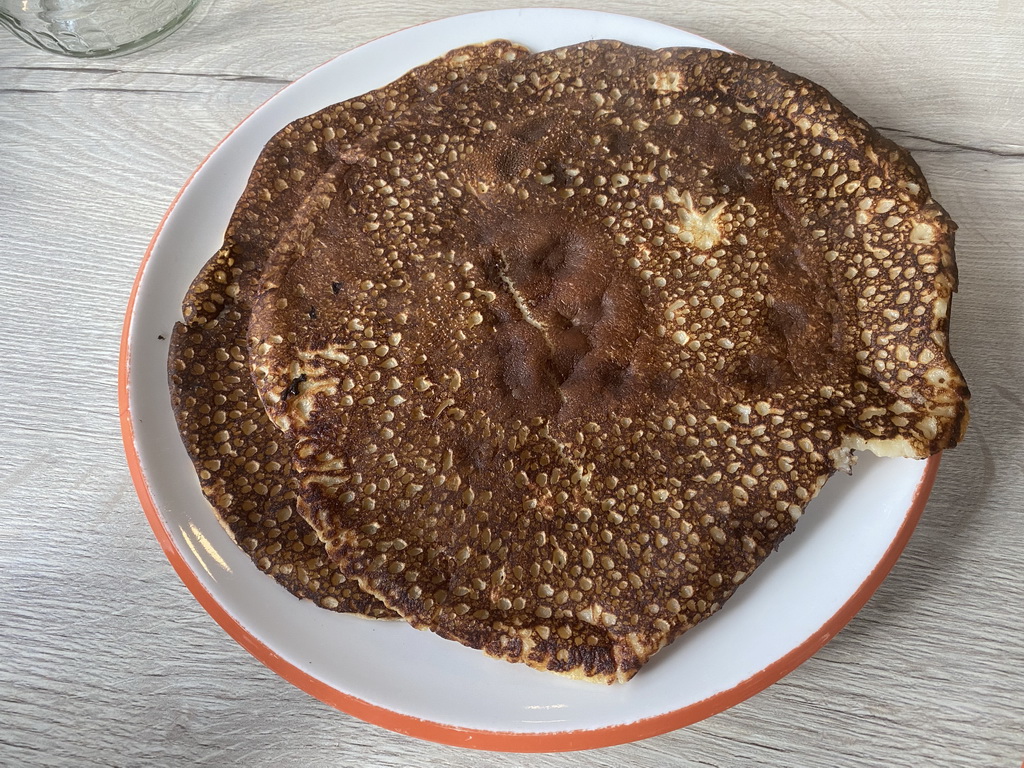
(414, 682)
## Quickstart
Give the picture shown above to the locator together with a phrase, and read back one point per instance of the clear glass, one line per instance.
(88, 28)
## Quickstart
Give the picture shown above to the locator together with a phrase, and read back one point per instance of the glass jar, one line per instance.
(86, 28)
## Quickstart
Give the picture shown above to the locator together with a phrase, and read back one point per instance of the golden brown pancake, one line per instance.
(243, 462)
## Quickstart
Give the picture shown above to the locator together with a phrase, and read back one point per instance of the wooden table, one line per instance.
(106, 659)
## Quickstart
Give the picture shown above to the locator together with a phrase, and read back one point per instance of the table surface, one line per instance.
(105, 657)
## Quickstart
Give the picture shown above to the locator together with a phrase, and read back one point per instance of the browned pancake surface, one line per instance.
(567, 360)
(244, 464)
(243, 461)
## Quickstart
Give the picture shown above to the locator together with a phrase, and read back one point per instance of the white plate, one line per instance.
(415, 682)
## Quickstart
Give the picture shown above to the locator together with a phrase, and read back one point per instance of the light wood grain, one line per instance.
(105, 659)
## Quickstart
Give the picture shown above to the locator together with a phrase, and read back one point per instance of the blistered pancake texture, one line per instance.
(243, 461)
(567, 359)
(244, 465)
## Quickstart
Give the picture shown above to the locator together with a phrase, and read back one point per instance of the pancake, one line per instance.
(242, 460)
(244, 464)
(566, 360)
